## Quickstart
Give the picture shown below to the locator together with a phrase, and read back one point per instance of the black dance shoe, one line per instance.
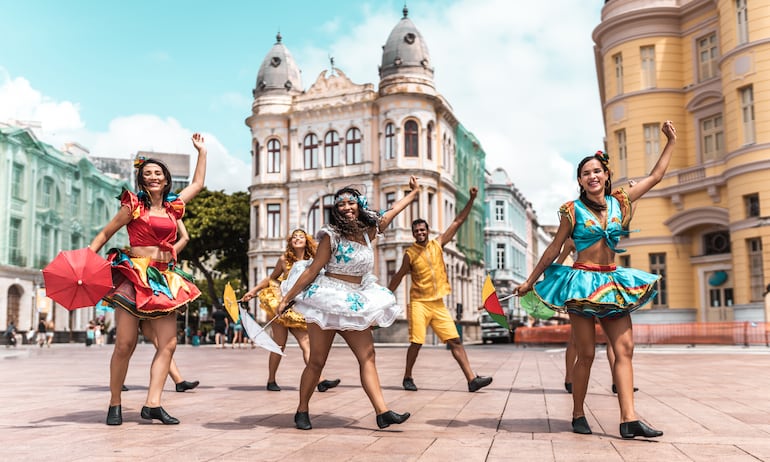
(184, 385)
(408, 384)
(478, 383)
(123, 388)
(385, 419)
(638, 428)
(302, 421)
(568, 387)
(114, 415)
(158, 413)
(272, 386)
(615, 389)
(324, 385)
(580, 425)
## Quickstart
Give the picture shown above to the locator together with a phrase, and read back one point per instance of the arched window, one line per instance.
(47, 193)
(319, 214)
(411, 139)
(390, 141)
(353, 146)
(310, 150)
(331, 149)
(429, 141)
(14, 304)
(274, 156)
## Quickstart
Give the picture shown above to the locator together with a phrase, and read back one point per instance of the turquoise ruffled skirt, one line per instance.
(595, 291)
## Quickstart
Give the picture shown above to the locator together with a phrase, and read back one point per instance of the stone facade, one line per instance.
(309, 143)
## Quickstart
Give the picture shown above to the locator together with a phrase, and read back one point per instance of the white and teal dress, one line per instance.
(335, 304)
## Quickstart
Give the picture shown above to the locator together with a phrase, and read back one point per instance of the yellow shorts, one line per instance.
(431, 313)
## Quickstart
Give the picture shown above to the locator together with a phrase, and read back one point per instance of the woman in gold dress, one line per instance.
(299, 246)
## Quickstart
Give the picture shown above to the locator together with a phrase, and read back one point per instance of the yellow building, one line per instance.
(705, 65)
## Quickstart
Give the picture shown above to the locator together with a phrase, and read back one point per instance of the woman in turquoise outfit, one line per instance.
(594, 287)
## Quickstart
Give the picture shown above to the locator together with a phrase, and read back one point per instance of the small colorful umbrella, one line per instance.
(77, 278)
(231, 303)
(256, 332)
(535, 307)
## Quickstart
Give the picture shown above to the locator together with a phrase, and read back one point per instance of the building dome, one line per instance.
(405, 52)
(278, 71)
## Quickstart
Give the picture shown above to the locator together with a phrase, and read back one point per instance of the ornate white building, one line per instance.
(306, 144)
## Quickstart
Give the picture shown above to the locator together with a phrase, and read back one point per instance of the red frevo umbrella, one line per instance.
(77, 278)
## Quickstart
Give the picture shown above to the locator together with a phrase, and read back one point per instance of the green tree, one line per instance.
(218, 224)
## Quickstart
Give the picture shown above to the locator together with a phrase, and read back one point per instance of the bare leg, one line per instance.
(320, 344)
(125, 342)
(279, 333)
(165, 338)
(570, 356)
(362, 345)
(584, 333)
(610, 355)
(173, 370)
(620, 335)
(304, 344)
(411, 358)
(458, 351)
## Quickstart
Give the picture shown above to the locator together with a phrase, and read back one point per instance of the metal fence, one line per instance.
(695, 333)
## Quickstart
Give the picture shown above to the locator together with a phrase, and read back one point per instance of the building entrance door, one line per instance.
(719, 296)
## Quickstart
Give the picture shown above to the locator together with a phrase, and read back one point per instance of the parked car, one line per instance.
(493, 332)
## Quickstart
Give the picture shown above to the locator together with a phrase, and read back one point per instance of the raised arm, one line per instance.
(646, 183)
(447, 236)
(322, 256)
(280, 265)
(401, 204)
(406, 267)
(199, 176)
(549, 255)
(121, 219)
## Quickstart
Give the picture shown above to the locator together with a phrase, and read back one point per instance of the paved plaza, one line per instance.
(713, 403)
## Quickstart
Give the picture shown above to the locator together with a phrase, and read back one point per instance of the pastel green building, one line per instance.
(50, 200)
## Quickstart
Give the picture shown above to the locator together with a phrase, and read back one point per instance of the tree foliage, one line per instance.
(218, 225)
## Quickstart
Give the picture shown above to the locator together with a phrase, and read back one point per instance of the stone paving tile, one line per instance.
(709, 401)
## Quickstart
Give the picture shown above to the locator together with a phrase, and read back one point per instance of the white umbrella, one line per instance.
(256, 333)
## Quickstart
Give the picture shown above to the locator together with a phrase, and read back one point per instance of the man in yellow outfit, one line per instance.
(424, 260)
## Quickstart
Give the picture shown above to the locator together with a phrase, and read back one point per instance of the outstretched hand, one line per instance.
(522, 289)
(198, 141)
(413, 183)
(669, 130)
(473, 192)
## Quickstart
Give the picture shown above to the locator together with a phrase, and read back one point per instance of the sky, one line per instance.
(122, 77)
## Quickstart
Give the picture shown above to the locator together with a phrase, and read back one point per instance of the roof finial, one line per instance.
(405, 10)
(331, 63)
(278, 37)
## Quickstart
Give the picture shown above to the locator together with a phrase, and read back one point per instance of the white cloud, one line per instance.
(19, 101)
(524, 84)
(125, 136)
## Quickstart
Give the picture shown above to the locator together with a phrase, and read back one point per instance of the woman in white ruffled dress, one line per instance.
(345, 298)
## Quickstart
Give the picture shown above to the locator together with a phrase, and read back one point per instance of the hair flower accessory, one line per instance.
(139, 161)
(603, 157)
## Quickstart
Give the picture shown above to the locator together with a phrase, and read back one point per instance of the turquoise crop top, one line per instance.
(586, 228)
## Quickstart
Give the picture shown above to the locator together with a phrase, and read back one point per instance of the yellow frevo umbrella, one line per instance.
(231, 303)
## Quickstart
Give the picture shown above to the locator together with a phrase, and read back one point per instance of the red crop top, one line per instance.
(144, 230)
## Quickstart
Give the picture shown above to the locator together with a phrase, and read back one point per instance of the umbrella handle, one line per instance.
(270, 322)
(505, 298)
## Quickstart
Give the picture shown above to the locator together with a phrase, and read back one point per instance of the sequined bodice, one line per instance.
(349, 257)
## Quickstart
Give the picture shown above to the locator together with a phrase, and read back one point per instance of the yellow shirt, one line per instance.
(429, 279)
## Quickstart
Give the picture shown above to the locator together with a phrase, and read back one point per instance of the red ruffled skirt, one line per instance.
(148, 289)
